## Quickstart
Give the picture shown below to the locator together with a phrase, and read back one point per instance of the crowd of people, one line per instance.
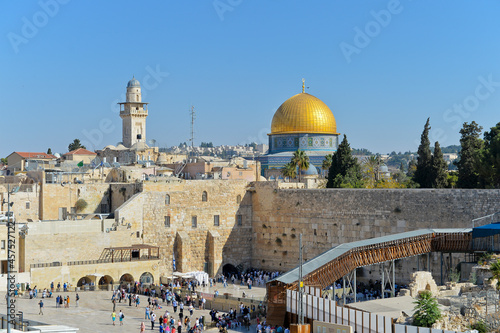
(251, 277)
(364, 291)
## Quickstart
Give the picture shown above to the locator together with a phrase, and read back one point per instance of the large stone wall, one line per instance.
(205, 246)
(65, 241)
(330, 217)
(55, 196)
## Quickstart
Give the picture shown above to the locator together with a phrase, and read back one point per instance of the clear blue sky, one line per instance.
(236, 61)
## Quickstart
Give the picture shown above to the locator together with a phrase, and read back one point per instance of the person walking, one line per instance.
(147, 316)
(41, 307)
(77, 299)
(120, 317)
(153, 319)
(113, 317)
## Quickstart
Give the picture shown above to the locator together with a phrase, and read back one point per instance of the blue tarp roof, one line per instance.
(486, 230)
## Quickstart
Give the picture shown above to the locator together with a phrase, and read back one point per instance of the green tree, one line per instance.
(371, 169)
(49, 151)
(289, 170)
(75, 145)
(412, 167)
(80, 205)
(439, 167)
(327, 162)
(423, 173)
(452, 179)
(3, 160)
(345, 170)
(426, 310)
(301, 160)
(469, 155)
(490, 164)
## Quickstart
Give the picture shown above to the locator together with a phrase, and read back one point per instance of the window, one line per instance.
(204, 196)
(28, 204)
(194, 222)
(238, 199)
(138, 234)
(167, 221)
(216, 220)
(239, 218)
(3, 245)
(167, 199)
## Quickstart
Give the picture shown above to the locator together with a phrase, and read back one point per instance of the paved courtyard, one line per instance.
(94, 311)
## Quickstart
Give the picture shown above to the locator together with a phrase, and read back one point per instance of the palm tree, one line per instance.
(327, 162)
(289, 170)
(372, 166)
(301, 160)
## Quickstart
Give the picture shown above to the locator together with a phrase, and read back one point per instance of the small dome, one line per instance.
(120, 146)
(133, 83)
(162, 159)
(139, 146)
(303, 113)
(311, 171)
(110, 147)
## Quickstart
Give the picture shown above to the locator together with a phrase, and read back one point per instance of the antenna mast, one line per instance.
(193, 117)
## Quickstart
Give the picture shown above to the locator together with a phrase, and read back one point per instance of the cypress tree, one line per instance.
(345, 170)
(423, 174)
(469, 155)
(439, 167)
(490, 172)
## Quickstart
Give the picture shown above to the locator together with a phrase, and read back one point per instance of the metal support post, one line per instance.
(383, 280)
(393, 279)
(354, 287)
(428, 262)
(343, 291)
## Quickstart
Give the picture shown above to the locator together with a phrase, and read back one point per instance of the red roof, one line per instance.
(34, 155)
(80, 151)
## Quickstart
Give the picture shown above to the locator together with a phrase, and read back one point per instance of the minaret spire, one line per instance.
(303, 85)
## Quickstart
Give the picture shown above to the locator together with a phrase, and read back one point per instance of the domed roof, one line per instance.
(311, 171)
(303, 113)
(133, 83)
(139, 146)
(162, 159)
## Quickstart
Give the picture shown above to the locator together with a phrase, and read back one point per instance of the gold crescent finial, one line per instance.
(303, 85)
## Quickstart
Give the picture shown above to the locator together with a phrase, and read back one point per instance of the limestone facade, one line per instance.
(207, 224)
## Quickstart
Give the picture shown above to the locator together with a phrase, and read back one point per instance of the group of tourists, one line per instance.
(153, 313)
(252, 277)
(364, 291)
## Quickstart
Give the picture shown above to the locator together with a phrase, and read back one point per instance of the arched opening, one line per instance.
(229, 269)
(204, 196)
(126, 279)
(105, 280)
(238, 199)
(147, 278)
(428, 287)
(167, 199)
(84, 281)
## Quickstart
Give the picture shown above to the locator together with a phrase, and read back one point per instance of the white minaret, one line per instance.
(134, 113)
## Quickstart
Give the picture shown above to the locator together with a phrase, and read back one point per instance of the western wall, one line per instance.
(329, 217)
(211, 223)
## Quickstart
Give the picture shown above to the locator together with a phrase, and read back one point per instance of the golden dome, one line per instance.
(303, 113)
